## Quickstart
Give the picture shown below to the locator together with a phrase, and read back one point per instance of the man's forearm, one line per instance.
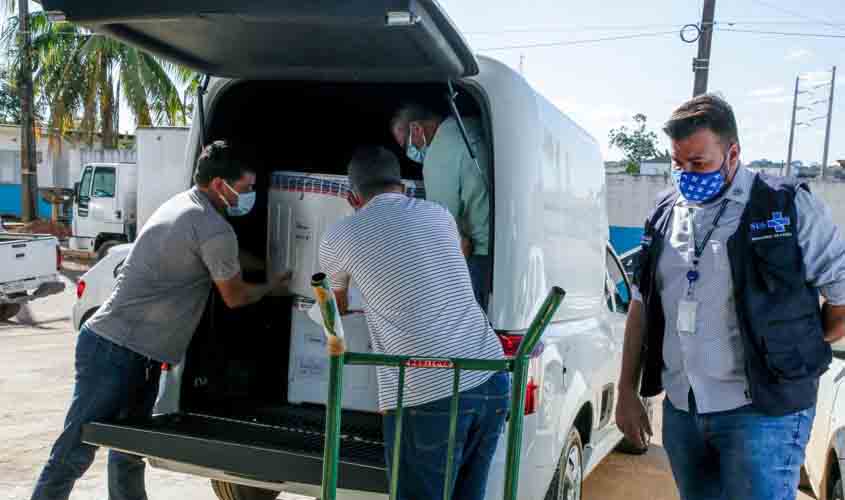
(629, 378)
(834, 322)
(253, 292)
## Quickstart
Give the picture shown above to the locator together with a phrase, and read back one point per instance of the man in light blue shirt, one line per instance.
(453, 179)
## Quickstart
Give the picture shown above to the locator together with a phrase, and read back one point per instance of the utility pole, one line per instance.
(829, 120)
(701, 64)
(792, 128)
(29, 172)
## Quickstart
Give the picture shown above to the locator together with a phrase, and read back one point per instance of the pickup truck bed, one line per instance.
(28, 267)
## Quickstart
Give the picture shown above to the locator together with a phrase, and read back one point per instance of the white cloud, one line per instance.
(776, 99)
(795, 54)
(766, 92)
(816, 77)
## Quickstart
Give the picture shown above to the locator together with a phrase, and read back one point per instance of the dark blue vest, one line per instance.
(778, 312)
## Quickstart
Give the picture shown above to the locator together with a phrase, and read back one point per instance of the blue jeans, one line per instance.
(425, 436)
(741, 454)
(111, 383)
(479, 272)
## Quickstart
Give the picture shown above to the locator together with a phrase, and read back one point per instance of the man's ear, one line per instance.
(733, 156)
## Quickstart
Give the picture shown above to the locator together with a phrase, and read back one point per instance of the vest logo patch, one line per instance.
(776, 227)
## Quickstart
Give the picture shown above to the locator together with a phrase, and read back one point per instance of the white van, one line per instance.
(299, 85)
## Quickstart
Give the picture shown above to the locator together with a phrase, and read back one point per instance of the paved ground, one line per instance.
(36, 379)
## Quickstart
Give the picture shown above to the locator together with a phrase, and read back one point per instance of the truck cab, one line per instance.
(104, 207)
(297, 87)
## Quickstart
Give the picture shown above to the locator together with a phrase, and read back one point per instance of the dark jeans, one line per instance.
(111, 383)
(480, 274)
(740, 454)
(425, 441)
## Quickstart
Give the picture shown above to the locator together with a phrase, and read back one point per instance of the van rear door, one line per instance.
(337, 40)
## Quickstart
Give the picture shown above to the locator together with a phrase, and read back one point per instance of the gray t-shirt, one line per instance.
(163, 287)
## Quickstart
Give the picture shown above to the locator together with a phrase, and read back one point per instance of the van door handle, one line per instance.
(118, 214)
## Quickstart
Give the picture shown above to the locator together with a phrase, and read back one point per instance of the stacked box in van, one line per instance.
(301, 208)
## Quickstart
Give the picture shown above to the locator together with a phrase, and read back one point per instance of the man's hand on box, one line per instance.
(355, 201)
(341, 296)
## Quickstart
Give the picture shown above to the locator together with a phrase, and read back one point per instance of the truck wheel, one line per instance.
(566, 483)
(9, 311)
(104, 249)
(626, 446)
(232, 491)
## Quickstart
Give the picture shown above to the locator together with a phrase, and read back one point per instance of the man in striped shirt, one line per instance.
(405, 256)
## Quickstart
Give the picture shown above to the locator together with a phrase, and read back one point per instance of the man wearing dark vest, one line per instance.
(726, 316)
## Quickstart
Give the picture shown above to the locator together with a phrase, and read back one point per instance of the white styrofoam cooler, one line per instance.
(301, 207)
(308, 373)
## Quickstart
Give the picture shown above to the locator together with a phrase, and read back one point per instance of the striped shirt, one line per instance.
(404, 254)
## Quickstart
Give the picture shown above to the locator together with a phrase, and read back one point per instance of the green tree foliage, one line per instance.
(637, 143)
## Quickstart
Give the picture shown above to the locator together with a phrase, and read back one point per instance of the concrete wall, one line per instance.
(57, 167)
(631, 198)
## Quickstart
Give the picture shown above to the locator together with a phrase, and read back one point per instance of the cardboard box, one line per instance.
(309, 362)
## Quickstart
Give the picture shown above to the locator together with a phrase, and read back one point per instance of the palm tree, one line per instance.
(80, 75)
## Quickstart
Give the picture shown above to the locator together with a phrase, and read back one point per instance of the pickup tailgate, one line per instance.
(25, 257)
(288, 452)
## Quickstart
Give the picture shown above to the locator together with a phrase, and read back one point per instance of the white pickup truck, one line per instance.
(29, 266)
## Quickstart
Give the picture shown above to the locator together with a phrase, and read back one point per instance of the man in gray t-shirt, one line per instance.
(151, 316)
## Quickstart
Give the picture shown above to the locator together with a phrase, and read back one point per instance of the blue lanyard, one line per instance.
(693, 274)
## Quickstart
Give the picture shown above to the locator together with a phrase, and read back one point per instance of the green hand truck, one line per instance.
(517, 366)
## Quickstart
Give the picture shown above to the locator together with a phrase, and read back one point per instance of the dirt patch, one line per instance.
(42, 226)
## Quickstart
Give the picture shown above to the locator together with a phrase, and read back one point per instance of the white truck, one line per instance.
(29, 269)
(224, 412)
(112, 200)
(104, 207)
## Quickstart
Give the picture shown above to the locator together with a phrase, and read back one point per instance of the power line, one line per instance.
(579, 42)
(784, 33)
(795, 14)
(575, 28)
(612, 27)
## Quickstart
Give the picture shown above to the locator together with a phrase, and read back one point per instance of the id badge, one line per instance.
(687, 310)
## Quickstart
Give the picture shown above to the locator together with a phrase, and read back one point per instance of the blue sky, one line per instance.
(601, 85)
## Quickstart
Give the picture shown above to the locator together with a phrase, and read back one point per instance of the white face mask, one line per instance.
(245, 202)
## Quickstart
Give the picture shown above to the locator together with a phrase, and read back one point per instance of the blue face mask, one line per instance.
(700, 187)
(414, 153)
(245, 202)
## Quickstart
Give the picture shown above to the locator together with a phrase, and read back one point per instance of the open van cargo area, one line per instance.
(237, 369)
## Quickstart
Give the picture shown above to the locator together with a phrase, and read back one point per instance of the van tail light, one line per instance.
(510, 344)
(532, 396)
(80, 289)
(58, 258)
(165, 367)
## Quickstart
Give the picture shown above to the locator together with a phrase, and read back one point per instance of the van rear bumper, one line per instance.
(253, 452)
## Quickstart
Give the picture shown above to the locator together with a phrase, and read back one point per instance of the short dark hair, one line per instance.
(373, 170)
(218, 159)
(413, 112)
(707, 111)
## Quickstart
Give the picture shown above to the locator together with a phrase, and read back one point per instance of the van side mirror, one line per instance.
(76, 190)
(623, 297)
